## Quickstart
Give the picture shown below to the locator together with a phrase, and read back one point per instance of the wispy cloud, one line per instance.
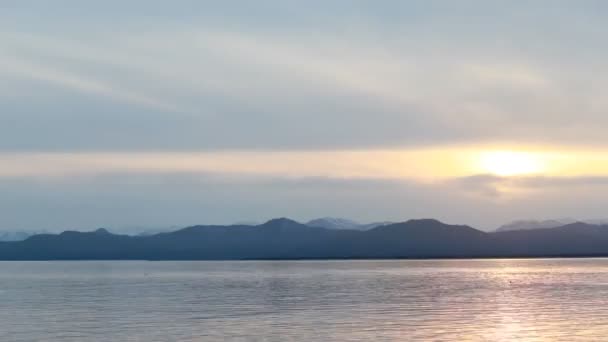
(494, 186)
(364, 164)
(79, 82)
(348, 91)
(339, 106)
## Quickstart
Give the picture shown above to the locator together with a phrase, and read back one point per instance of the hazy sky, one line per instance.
(162, 113)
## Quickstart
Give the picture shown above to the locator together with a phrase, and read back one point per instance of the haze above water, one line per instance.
(458, 300)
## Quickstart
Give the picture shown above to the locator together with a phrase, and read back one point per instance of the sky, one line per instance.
(172, 113)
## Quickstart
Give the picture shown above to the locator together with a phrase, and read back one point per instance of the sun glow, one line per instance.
(511, 163)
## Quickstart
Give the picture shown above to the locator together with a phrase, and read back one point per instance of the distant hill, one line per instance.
(17, 235)
(286, 239)
(22, 235)
(534, 224)
(341, 223)
(576, 239)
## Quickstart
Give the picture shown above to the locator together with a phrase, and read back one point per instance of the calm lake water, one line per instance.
(455, 300)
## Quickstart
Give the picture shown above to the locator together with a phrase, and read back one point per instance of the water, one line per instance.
(455, 300)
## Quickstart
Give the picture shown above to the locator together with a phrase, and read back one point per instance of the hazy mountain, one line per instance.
(18, 235)
(341, 223)
(286, 239)
(576, 239)
(534, 224)
(14, 236)
(22, 235)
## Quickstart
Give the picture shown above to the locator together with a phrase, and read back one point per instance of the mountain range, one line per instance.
(536, 224)
(341, 223)
(324, 222)
(287, 239)
(20, 235)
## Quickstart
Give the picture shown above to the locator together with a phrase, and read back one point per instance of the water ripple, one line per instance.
(456, 300)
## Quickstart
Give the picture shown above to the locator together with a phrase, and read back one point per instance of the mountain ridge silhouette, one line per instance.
(283, 238)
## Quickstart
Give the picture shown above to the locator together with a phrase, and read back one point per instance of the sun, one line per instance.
(510, 163)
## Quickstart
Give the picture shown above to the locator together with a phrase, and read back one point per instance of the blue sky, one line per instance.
(130, 113)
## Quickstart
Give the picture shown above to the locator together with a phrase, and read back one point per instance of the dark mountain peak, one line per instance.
(425, 222)
(284, 225)
(415, 223)
(99, 231)
(102, 231)
(436, 224)
(282, 222)
(426, 227)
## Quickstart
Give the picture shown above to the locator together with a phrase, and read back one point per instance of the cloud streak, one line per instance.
(18, 67)
(168, 199)
(216, 112)
(494, 186)
(365, 81)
